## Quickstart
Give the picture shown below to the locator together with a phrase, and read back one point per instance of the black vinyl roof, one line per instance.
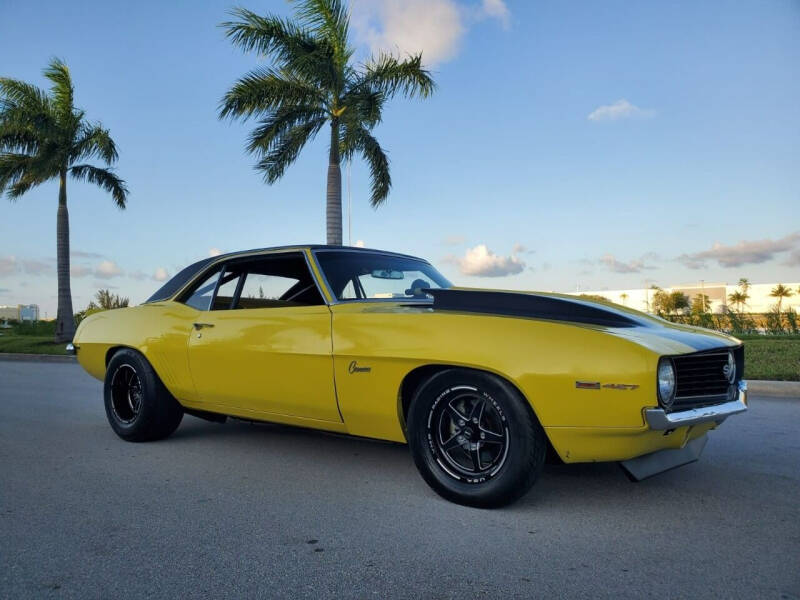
(182, 277)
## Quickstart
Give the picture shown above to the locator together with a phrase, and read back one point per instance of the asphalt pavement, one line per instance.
(250, 510)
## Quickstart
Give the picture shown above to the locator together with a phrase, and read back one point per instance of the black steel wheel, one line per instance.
(138, 406)
(468, 432)
(474, 438)
(126, 393)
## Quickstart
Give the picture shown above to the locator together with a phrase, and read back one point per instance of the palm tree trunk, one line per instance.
(333, 208)
(65, 321)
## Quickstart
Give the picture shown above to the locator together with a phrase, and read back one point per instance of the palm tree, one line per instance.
(780, 292)
(738, 298)
(44, 137)
(105, 300)
(624, 297)
(744, 284)
(313, 81)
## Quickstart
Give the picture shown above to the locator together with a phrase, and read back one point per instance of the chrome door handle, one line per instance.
(201, 325)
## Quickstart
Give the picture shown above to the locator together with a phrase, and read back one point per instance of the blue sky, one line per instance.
(599, 144)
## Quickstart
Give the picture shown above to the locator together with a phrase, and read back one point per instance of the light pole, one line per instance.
(703, 293)
(349, 206)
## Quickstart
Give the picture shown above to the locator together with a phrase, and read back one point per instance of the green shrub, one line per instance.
(35, 328)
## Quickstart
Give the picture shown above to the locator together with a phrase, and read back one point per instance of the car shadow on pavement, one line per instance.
(312, 453)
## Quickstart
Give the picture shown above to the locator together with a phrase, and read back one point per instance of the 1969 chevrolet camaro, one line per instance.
(481, 384)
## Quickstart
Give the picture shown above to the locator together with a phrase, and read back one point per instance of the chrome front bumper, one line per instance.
(661, 420)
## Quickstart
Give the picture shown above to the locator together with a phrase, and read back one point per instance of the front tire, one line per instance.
(474, 438)
(138, 406)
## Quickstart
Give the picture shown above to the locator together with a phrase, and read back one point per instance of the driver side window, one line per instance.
(274, 281)
(261, 282)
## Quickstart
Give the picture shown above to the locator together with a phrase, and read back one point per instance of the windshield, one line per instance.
(373, 275)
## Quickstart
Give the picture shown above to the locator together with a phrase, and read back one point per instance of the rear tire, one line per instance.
(475, 439)
(138, 406)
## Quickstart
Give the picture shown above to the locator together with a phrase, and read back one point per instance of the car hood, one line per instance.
(655, 333)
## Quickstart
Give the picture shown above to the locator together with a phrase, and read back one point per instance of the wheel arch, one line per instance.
(420, 374)
(114, 349)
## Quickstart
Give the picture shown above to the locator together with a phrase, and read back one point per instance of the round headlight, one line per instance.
(729, 370)
(666, 382)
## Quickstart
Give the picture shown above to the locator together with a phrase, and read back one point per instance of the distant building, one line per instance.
(20, 312)
(759, 300)
(28, 312)
(9, 312)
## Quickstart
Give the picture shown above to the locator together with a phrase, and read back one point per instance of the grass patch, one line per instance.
(29, 344)
(772, 357)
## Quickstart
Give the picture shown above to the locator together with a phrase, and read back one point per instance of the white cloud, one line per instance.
(161, 274)
(214, 251)
(793, 259)
(634, 266)
(81, 254)
(433, 27)
(36, 267)
(138, 275)
(497, 9)
(107, 269)
(8, 265)
(359, 244)
(79, 271)
(621, 109)
(482, 262)
(743, 253)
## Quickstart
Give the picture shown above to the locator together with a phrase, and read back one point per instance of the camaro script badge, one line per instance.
(354, 368)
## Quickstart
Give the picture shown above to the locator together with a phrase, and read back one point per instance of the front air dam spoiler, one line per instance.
(648, 465)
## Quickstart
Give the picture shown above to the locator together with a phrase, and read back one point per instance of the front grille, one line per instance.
(700, 380)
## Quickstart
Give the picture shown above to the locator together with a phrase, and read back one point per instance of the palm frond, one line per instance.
(291, 47)
(266, 89)
(19, 94)
(330, 20)
(269, 35)
(93, 141)
(359, 140)
(62, 90)
(20, 172)
(364, 105)
(15, 137)
(276, 125)
(105, 178)
(390, 75)
(286, 148)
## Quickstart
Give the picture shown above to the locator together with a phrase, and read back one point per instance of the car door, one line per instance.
(262, 339)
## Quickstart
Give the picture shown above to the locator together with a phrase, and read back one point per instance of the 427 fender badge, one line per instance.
(354, 368)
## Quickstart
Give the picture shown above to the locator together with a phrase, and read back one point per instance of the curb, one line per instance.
(778, 389)
(48, 358)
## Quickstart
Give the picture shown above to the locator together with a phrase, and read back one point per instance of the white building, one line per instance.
(759, 300)
(20, 312)
(28, 312)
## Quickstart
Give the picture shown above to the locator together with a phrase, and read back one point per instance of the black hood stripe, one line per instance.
(530, 305)
(515, 304)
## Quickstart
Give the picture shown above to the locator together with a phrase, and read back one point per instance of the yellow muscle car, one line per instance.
(483, 385)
